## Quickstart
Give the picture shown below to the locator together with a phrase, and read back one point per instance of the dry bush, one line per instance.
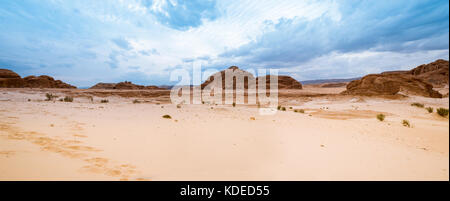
(381, 117)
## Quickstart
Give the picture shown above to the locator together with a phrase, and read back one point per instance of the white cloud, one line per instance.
(238, 23)
(356, 64)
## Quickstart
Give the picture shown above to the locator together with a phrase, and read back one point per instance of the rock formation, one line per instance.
(103, 86)
(10, 79)
(435, 73)
(284, 82)
(233, 70)
(122, 85)
(334, 85)
(5, 73)
(418, 81)
(391, 84)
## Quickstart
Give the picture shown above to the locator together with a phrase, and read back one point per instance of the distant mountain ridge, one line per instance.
(121, 85)
(323, 81)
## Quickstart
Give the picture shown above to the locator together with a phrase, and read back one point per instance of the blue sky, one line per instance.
(84, 42)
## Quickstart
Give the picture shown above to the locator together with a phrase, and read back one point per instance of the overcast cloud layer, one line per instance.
(84, 42)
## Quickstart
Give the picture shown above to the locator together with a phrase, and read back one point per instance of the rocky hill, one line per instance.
(122, 85)
(10, 79)
(284, 82)
(435, 73)
(418, 81)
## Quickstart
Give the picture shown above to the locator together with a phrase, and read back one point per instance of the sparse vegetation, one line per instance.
(50, 96)
(429, 109)
(167, 116)
(68, 99)
(442, 112)
(104, 101)
(417, 105)
(299, 110)
(406, 123)
(381, 117)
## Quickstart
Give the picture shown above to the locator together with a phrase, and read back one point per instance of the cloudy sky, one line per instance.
(84, 42)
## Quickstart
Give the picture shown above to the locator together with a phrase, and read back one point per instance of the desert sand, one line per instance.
(337, 138)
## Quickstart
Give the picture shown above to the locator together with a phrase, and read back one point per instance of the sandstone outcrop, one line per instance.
(284, 82)
(418, 81)
(10, 79)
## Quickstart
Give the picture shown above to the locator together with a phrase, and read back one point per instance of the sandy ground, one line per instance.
(337, 138)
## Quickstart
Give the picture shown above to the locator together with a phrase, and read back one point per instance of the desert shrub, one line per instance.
(279, 107)
(442, 112)
(29, 100)
(417, 105)
(290, 108)
(50, 96)
(283, 109)
(234, 104)
(406, 123)
(68, 99)
(299, 110)
(104, 101)
(429, 109)
(135, 101)
(167, 116)
(61, 99)
(178, 106)
(252, 118)
(381, 117)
